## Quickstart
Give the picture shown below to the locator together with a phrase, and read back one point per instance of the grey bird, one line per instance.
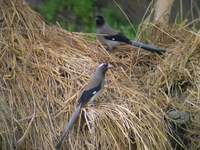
(108, 36)
(91, 91)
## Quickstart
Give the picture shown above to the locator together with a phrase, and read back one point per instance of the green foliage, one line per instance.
(78, 15)
(63, 10)
(82, 8)
(83, 11)
(115, 18)
(49, 9)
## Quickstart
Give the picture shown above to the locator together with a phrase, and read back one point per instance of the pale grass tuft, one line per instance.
(43, 69)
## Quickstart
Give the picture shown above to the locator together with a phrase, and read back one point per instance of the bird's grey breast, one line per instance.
(106, 30)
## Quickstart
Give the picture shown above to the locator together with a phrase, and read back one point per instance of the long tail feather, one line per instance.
(72, 120)
(148, 47)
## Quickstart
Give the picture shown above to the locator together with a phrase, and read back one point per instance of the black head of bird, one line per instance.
(100, 21)
(102, 68)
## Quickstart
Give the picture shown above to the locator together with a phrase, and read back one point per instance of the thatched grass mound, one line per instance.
(43, 69)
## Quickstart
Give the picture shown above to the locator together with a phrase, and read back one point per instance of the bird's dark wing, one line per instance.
(88, 94)
(118, 37)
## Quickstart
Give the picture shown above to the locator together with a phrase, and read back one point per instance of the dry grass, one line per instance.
(43, 69)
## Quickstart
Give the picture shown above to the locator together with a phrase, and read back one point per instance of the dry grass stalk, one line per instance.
(43, 69)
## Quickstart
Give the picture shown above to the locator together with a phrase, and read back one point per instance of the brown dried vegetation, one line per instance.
(43, 69)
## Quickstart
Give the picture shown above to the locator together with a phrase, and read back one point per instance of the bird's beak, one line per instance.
(110, 66)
